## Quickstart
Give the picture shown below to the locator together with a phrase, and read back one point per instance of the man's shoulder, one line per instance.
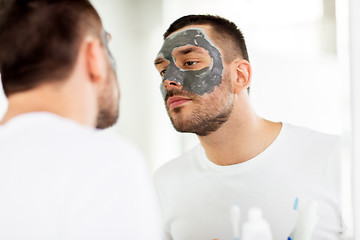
(95, 142)
(309, 135)
(107, 147)
(48, 135)
(311, 146)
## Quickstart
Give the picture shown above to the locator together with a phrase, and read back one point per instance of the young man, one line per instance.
(243, 159)
(59, 177)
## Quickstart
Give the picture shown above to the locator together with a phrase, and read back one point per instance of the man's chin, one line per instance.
(200, 125)
(191, 128)
(105, 125)
(106, 120)
(181, 125)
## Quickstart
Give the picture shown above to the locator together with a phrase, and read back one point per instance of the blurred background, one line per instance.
(298, 50)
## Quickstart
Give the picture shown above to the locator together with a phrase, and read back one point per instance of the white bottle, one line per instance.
(306, 221)
(235, 221)
(256, 228)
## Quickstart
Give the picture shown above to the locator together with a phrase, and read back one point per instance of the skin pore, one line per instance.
(244, 134)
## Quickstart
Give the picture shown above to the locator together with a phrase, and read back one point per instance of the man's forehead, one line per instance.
(190, 33)
(194, 35)
(203, 28)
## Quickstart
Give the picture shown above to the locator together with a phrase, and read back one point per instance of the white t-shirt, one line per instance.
(60, 180)
(196, 195)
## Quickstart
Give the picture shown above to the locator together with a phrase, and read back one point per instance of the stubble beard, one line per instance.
(209, 112)
(108, 112)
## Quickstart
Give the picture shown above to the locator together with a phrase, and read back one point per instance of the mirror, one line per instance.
(297, 61)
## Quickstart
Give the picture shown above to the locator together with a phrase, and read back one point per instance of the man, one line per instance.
(243, 159)
(59, 177)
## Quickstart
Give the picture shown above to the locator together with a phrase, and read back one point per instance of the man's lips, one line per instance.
(173, 102)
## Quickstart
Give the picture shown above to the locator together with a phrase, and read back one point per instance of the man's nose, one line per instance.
(169, 84)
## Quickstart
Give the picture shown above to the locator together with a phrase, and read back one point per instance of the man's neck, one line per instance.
(47, 100)
(241, 138)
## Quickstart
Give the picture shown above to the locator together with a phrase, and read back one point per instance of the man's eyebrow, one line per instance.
(189, 49)
(158, 61)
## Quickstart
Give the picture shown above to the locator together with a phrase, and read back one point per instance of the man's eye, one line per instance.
(162, 73)
(190, 63)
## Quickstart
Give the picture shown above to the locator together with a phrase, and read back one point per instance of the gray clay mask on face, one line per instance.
(110, 56)
(196, 81)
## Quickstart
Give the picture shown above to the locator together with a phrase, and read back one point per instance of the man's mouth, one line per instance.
(174, 102)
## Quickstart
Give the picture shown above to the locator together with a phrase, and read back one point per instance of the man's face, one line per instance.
(108, 109)
(195, 85)
(189, 58)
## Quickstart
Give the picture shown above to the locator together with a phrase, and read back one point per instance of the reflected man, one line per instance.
(243, 159)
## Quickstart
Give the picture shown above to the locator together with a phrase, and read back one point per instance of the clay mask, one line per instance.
(110, 56)
(197, 81)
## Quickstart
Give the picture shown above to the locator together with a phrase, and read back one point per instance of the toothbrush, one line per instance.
(306, 220)
(296, 204)
(235, 221)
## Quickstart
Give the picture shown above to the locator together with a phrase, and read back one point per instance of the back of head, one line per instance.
(223, 29)
(40, 40)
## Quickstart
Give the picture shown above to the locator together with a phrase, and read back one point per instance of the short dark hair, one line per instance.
(224, 29)
(40, 40)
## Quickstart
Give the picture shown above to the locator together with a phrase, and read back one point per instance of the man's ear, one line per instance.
(95, 60)
(243, 75)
